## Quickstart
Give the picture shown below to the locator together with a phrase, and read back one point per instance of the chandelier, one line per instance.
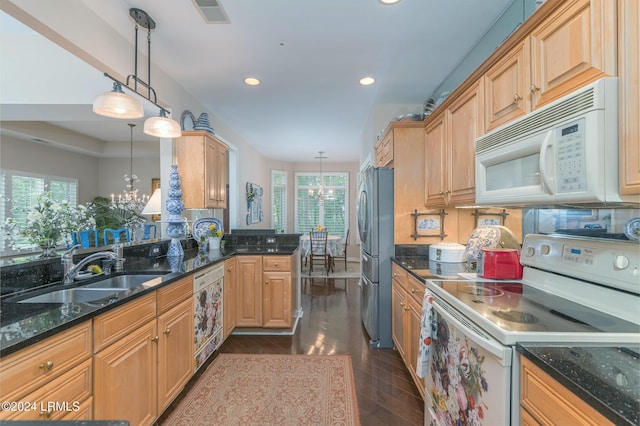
(129, 199)
(320, 195)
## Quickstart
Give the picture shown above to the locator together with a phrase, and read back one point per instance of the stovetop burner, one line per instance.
(516, 316)
(481, 291)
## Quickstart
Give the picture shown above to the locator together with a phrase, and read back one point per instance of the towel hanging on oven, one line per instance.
(427, 332)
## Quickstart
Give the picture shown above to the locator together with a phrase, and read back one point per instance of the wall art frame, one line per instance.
(254, 203)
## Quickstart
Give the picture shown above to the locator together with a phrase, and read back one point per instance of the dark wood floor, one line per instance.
(331, 324)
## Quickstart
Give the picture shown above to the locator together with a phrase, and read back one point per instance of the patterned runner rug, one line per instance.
(238, 389)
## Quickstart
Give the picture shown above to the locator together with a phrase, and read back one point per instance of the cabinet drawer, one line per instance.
(173, 294)
(58, 398)
(415, 288)
(276, 263)
(400, 275)
(550, 403)
(112, 326)
(29, 369)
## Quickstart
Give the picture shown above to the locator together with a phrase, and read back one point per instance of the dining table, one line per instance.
(335, 246)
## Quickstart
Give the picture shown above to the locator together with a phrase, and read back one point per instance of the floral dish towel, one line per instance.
(426, 334)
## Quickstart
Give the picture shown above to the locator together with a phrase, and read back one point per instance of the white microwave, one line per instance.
(565, 153)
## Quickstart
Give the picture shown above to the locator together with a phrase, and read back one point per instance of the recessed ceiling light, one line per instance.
(252, 81)
(367, 81)
(389, 1)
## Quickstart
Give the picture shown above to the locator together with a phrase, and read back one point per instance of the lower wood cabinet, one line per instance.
(544, 401)
(264, 291)
(57, 370)
(229, 296)
(138, 375)
(406, 294)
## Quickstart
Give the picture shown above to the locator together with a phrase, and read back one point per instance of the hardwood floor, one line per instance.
(331, 324)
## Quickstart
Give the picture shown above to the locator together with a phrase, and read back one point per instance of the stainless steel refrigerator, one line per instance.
(375, 227)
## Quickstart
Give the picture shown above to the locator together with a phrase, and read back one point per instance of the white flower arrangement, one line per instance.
(49, 222)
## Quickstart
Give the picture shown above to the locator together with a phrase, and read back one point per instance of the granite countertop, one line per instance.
(605, 376)
(26, 323)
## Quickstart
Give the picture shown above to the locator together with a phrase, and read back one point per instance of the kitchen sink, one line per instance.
(124, 282)
(74, 295)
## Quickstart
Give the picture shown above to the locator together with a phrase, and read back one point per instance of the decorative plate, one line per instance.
(183, 120)
(632, 229)
(201, 227)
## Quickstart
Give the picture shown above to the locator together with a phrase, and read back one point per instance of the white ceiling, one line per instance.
(309, 55)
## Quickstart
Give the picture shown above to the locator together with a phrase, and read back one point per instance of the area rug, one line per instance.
(260, 389)
(353, 271)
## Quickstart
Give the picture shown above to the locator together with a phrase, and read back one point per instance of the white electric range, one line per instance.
(573, 291)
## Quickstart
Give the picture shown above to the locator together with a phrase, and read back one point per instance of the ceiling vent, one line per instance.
(211, 11)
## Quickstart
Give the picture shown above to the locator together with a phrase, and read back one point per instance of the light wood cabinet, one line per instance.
(573, 47)
(406, 294)
(249, 291)
(544, 401)
(408, 175)
(450, 150)
(264, 287)
(53, 376)
(203, 167)
(506, 87)
(629, 95)
(276, 292)
(229, 296)
(32, 368)
(384, 150)
(125, 380)
(175, 352)
(568, 49)
(143, 354)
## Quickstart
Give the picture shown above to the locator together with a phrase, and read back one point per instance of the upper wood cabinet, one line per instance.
(384, 150)
(450, 150)
(408, 175)
(629, 95)
(571, 47)
(506, 86)
(203, 167)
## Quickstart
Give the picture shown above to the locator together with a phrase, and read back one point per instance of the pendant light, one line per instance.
(117, 104)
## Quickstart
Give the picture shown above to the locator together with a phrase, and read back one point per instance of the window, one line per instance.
(279, 200)
(330, 210)
(20, 190)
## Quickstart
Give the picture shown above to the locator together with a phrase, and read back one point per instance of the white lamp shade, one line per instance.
(162, 127)
(117, 105)
(154, 205)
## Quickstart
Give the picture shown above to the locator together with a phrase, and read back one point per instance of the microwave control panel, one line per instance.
(570, 157)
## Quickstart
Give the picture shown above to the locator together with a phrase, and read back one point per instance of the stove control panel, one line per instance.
(612, 263)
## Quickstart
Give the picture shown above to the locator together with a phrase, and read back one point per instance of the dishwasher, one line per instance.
(208, 286)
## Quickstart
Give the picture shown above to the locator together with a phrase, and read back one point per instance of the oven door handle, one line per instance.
(471, 331)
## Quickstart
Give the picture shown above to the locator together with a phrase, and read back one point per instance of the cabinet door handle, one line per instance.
(275, 264)
(46, 414)
(533, 88)
(413, 291)
(167, 331)
(516, 98)
(46, 366)
(155, 339)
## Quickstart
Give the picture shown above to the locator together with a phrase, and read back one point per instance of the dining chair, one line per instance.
(148, 228)
(318, 250)
(86, 238)
(343, 253)
(115, 235)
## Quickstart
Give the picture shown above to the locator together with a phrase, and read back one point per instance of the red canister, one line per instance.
(500, 264)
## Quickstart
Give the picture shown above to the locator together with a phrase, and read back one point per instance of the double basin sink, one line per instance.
(106, 289)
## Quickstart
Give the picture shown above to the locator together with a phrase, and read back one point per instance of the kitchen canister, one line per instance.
(446, 252)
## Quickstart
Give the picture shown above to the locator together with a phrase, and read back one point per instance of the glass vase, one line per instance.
(48, 249)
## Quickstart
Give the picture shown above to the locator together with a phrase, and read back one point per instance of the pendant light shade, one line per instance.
(117, 104)
(162, 126)
(154, 206)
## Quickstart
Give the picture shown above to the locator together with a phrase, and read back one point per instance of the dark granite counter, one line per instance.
(605, 376)
(22, 324)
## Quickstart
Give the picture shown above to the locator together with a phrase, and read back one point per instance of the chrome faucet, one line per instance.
(71, 271)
